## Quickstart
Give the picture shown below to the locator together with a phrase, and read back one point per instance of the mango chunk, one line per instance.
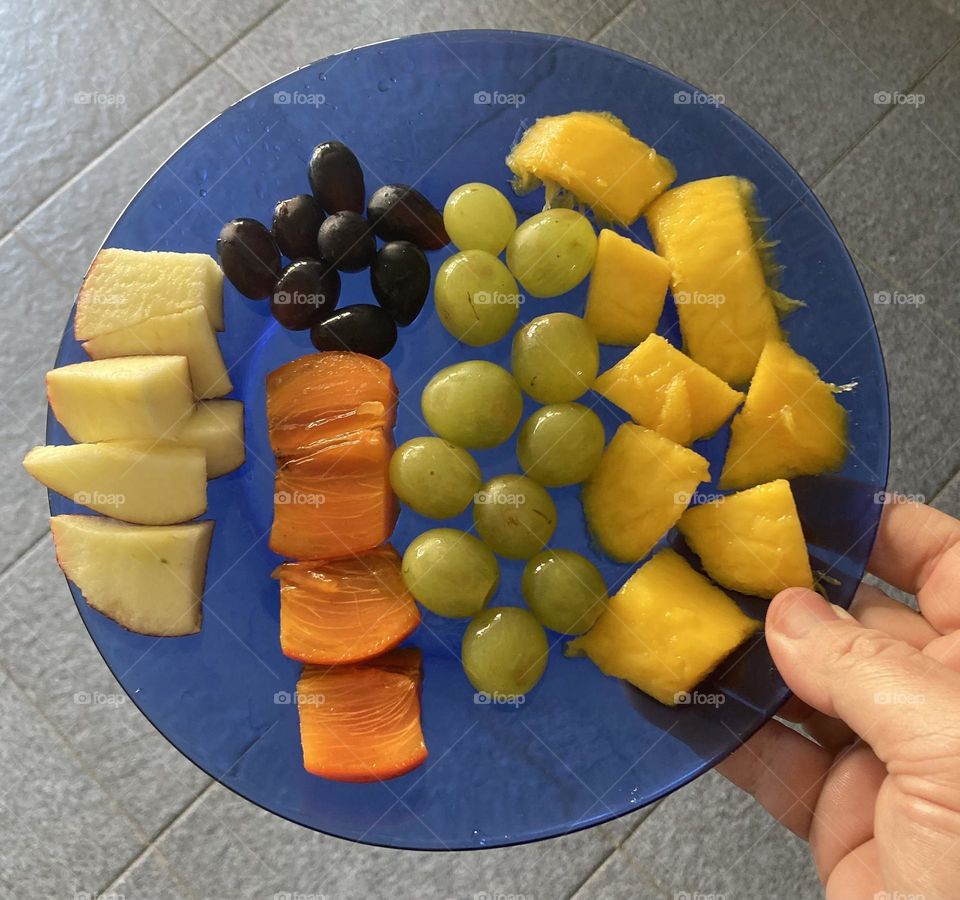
(791, 423)
(710, 235)
(750, 542)
(665, 630)
(592, 156)
(663, 389)
(639, 490)
(628, 286)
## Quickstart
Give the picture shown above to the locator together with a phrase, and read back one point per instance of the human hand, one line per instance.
(878, 794)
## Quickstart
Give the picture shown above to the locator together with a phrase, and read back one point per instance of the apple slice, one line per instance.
(149, 579)
(186, 333)
(216, 427)
(123, 287)
(128, 398)
(137, 481)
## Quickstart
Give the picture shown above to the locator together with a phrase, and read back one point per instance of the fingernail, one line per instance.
(802, 611)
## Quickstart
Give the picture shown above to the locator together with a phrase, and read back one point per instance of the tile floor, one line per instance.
(93, 801)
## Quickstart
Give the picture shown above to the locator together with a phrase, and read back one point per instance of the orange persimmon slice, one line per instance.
(344, 610)
(362, 722)
(324, 395)
(337, 500)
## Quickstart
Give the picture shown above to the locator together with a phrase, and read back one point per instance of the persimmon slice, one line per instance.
(344, 610)
(336, 501)
(362, 722)
(324, 395)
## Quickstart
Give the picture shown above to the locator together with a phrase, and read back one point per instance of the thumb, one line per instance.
(905, 704)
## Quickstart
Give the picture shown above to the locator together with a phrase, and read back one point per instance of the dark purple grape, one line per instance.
(398, 212)
(346, 242)
(249, 257)
(295, 225)
(363, 328)
(400, 278)
(336, 178)
(307, 292)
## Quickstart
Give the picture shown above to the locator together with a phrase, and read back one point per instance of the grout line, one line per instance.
(236, 39)
(643, 815)
(890, 110)
(613, 18)
(150, 846)
(28, 551)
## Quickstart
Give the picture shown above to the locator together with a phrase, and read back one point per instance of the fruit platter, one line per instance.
(423, 455)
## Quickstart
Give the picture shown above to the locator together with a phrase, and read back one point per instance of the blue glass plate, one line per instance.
(437, 110)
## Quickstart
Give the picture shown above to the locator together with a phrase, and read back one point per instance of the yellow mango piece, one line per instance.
(707, 231)
(628, 286)
(638, 490)
(663, 389)
(592, 156)
(750, 542)
(791, 423)
(665, 630)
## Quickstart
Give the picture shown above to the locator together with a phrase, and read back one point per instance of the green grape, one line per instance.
(473, 404)
(552, 252)
(514, 516)
(478, 217)
(565, 591)
(555, 358)
(504, 652)
(560, 444)
(450, 572)
(476, 297)
(433, 477)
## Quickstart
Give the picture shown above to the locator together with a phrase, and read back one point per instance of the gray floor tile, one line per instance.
(897, 42)
(32, 324)
(73, 78)
(948, 6)
(789, 67)
(708, 839)
(214, 24)
(949, 498)
(882, 196)
(304, 30)
(925, 422)
(697, 41)
(259, 855)
(39, 623)
(55, 230)
(151, 877)
(60, 833)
